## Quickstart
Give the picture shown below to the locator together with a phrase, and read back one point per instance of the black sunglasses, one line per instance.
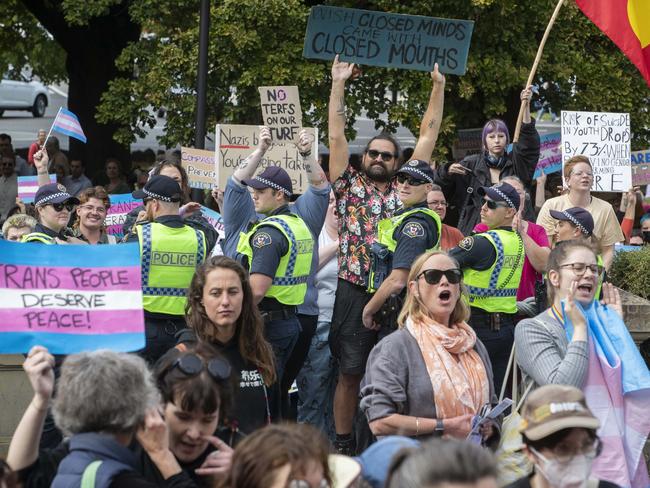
(492, 205)
(385, 155)
(192, 365)
(433, 276)
(402, 178)
(60, 206)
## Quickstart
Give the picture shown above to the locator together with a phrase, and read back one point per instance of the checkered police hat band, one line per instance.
(273, 185)
(156, 196)
(421, 174)
(575, 222)
(504, 196)
(43, 201)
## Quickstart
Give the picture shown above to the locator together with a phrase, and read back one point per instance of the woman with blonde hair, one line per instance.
(432, 375)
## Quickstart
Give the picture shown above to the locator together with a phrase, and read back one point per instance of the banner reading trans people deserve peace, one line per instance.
(70, 298)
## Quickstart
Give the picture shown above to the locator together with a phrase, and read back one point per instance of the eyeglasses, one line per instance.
(492, 205)
(90, 208)
(564, 454)
(433, 276)
(60, 206)
(437, 203)
(580, 268)
(580, 174)
(402, 178)
(192, 365)
(385, 155)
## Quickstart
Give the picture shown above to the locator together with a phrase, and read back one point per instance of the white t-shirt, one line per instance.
(607, 230)
(326, 280)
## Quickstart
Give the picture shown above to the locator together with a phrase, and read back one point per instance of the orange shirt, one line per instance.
(450, 237)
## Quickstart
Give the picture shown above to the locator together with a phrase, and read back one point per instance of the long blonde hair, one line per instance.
(413, 306)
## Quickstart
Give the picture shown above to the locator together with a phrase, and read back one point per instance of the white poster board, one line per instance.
(605, 139)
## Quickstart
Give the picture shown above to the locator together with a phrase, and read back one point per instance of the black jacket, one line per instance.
(461, 189)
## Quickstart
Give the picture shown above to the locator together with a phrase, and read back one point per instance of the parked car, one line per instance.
(19, 93)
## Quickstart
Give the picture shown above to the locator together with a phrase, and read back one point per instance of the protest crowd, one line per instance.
(394, 322)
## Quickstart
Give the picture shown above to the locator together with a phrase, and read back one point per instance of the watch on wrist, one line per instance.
(440, 428)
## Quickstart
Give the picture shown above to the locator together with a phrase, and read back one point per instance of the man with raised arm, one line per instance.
(364, 197)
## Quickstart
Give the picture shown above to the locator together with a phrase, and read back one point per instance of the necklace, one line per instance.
(555, 312)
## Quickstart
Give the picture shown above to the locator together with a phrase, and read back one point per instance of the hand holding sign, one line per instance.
(437, 76)
(265, 139)
(341, 71)
(305, 142)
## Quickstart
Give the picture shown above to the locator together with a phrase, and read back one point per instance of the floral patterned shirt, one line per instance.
(360, 206)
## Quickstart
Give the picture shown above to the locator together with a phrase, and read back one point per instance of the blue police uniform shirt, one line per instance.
(311, 206)
(269, 245)
(414, 236)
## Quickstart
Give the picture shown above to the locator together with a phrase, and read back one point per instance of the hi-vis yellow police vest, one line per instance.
(495, 289)
(290, 282)
(38, 237)
(169, 258)
(386, 237)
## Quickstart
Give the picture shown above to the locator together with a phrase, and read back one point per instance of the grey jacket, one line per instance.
(397, 381)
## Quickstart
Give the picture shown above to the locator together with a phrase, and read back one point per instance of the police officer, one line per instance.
(412, 231)
(54, 205)
(170, 252)
(278, 252)
(492, 263)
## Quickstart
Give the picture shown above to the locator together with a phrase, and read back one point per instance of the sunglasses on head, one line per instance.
(60, 206)
(402, 178)
(492, 205)
(192, 365)
(385, 155)
(433, 276)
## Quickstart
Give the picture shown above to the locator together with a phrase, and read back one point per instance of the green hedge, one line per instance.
(631, 272)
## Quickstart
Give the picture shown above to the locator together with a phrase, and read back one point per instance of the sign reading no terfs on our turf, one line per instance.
(390, 40)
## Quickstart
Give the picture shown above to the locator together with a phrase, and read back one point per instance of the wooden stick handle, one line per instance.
(538, 57)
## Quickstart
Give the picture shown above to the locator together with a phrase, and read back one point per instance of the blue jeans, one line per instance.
(316, 383)
(282, 334)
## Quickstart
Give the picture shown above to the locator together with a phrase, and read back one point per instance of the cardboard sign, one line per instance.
(70, 298)
(640, 167)
(281, 112)
(234, 143)
(28, 186)
(605, 139)
(550, 155)
(390, 40)
(121, 205)
(199, 165)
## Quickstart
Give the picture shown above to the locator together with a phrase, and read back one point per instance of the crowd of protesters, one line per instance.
(385, 326)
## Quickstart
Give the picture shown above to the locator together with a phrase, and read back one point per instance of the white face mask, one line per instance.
(573, 474)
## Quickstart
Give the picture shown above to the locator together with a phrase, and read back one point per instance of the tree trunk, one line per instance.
(91, 53)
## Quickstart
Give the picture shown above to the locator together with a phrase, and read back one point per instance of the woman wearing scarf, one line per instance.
(432, 376)
(581, 342)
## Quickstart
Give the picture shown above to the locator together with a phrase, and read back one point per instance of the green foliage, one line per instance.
(24, 42)
(630, 271)
(259, 42)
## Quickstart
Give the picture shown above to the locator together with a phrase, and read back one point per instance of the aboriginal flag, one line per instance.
(627, 23)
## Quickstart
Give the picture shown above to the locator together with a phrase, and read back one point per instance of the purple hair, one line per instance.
(494, 125)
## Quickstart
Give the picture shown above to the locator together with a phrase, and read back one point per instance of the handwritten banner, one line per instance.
(199, 165)
(28, 186)
(390, 40)
(70, 298)
(605, 139)
(121, 205)
(234, 143)
(640, 167)
(550, 155)
(281, 112)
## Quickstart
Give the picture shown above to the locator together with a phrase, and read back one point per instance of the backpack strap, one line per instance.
(90, 474)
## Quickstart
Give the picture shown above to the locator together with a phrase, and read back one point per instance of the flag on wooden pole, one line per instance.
(627, 23)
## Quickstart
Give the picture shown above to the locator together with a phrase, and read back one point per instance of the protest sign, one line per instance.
(640, 167)
(121, 205)
(605, 139)
(70, 298)
(199, 165)
(390, 40)
(234, 143)
(28, 186)
(550, 155)
(281, 112)
(215, 220)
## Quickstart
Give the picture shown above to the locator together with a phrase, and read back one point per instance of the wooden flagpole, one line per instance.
(538, 57)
